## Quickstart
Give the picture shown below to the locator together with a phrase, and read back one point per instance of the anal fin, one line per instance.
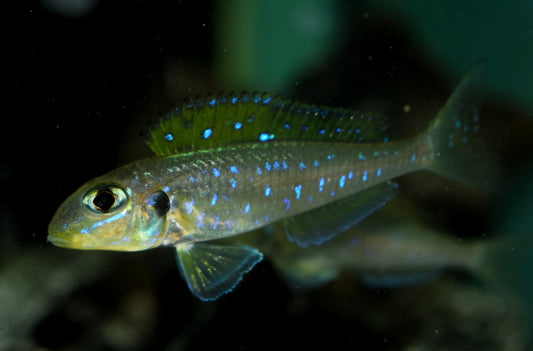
(213, 270)
(321, 224)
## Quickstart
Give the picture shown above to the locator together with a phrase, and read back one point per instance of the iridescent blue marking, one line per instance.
(268, 191)
(207, 133)
(166, 189)
(358, 130)
(386, 140)
(413, 158)
(214, 200)
(342, 181)
(284, 164)
(234, 169)
(257, 99)
(247, 208)
(338, 130)
(169, 137)
(192, 179)
(259, 171)
(321, 184)
(233, 183)
(376, 153)
(217, 222)
(350, 175)
(268, 166)
(365, 176)
(378, 173)
(238, 125)
(277, 166)
(302, 166)
(322, 131)
(287, 126)
(361, 157)
(288, 202)
(298, 191)
(458, 123)
(263, 136)
(251, 179)
(305, 127)
(310, 198)
(234, 100)
(331, 156)
(101, 223)
(332, 193)
(267, 100)
(189, 206)
(317, 163)
(216, 172)
(212, 102)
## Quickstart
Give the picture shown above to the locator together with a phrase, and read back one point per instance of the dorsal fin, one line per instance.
(221, 120)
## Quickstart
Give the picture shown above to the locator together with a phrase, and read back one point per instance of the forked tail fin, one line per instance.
(457, 151)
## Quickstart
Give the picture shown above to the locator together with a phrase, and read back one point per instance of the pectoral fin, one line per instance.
(324, 223)
(212, 270)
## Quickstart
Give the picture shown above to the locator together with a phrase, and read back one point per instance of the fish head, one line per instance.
(106, 214)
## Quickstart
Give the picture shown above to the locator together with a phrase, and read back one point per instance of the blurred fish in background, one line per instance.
(87, 84)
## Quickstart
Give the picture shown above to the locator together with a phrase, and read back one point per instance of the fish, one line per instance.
(233, 163)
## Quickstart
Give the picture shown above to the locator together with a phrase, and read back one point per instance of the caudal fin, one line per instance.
(457, 149)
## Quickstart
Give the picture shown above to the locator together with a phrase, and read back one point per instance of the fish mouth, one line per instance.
(60, 241)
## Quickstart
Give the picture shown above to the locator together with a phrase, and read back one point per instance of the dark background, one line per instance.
(80, 88)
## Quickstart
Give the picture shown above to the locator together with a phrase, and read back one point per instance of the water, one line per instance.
(86, 85)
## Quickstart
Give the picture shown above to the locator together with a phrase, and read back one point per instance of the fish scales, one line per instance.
(232, 190)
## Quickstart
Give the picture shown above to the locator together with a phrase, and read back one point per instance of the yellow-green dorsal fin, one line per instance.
(225, 119)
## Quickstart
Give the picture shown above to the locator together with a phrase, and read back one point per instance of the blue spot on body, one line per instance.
(302, 166)
(268, 166)
(214, 201)
(247, 209)
(361, 157)
(234, 169)
(238, 125)
(358, 130)
(413, 158)
(305, 128)
(277, 166)
(365, 176)
(317, 163)
(207, 133)
(350, 175)
(268, 191)
(267, 100)
(284, 164)
(322, 131)
(342, 181)
(234, 100)
(331, 156)
(287, 126)
(233, 183)
(338, 130)
(378, 173)
(169, 137)
(321, 184)
(212, 102)
(166, 189)
(266, 136)
(259, 171)
(458, 124)
(310, 198)
(288, 202)
(216, 172)
(298, 191)
(189, 206)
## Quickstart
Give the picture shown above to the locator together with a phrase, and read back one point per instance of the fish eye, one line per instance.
(104, 200)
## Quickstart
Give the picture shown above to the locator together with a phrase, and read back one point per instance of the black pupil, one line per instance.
(104, 200)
